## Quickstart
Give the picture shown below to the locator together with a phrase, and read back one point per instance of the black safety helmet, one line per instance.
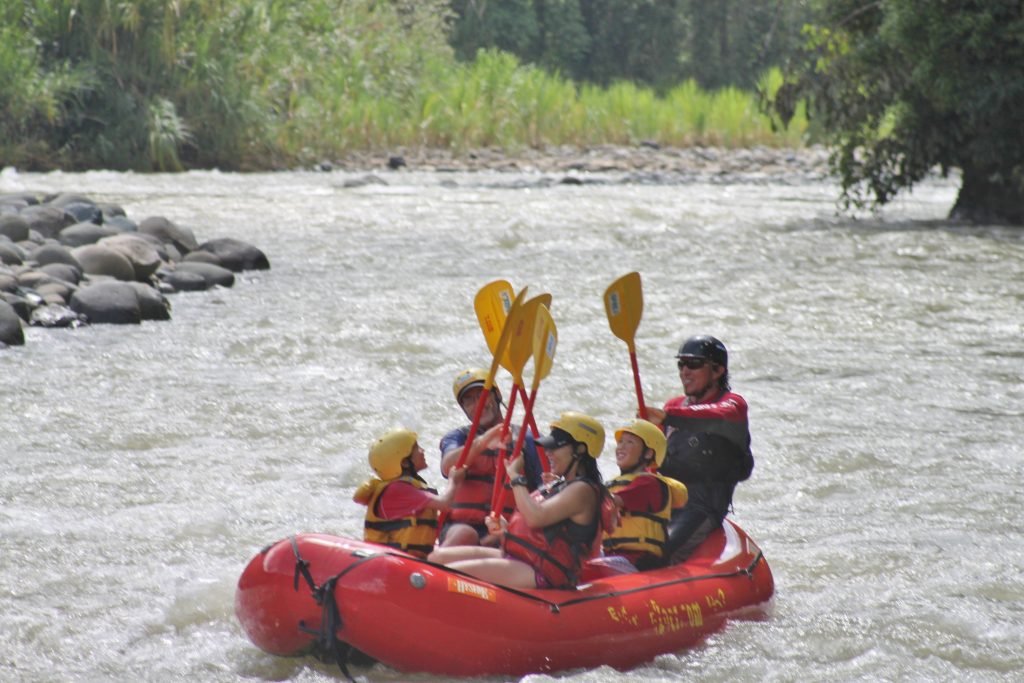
(706, 347)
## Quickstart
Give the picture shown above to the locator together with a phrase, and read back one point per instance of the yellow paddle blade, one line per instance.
(520, 345)
(501, 348)
(545, 340)
(624, 304)
(492, 303)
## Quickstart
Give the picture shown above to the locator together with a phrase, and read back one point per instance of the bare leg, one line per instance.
(460, 534)
(503, 571)
(460, 553)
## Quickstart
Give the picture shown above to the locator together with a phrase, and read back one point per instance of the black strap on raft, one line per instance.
(327, 645)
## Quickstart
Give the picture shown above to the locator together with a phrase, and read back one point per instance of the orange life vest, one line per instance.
(472, 502)
(557, 551)
(414, 534)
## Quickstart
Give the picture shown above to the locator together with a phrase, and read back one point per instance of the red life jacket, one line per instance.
(557, 551)
(472, 501)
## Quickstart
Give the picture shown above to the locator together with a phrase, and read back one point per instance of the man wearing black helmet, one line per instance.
(708, 443)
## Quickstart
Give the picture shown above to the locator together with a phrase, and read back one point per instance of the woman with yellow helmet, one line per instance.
(645, 499)
(401, 509)
(555, 528)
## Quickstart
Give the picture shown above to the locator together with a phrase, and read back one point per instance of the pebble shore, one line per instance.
(645, 159)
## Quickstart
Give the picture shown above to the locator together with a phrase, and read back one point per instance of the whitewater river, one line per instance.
(883, 360)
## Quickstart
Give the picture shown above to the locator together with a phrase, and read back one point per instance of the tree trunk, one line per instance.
(989, 196)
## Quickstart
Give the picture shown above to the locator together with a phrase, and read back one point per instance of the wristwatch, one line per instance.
(518, 481)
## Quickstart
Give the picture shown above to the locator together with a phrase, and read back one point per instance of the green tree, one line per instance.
(509, 25)
(729, 42)
(635, 40)
(901, 87)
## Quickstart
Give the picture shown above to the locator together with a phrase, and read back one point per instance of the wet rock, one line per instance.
(48, 221)
(8, 282)
(202, 256)
(53, 315)
(110, 211)
(153, 305)
(363, 181)
(84, 233)
(236, 255)
(55, 253)
(141, 253)
(63, 271)
(22, 305)
(182, 280)
(14, 227)
(120, 223)
(84, 212)
(11, 254)
(11, 332)
(63, 290)
(212, 274)
(97, 259)
(169, 233)
(114, 303)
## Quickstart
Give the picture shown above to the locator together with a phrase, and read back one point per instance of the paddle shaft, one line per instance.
(639, 388)
(499, 467)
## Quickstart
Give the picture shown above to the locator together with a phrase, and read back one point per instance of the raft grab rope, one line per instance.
(327, 645)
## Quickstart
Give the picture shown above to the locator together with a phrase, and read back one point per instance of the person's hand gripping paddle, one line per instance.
(544, 342)
(499, 350)
(624, 304)
(520, 348)
(492, 303)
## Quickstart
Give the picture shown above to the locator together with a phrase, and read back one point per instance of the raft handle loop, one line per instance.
(328, 644)
(301, 568)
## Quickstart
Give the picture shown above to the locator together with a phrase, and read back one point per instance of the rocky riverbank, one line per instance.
(646, 160)
(67, 261)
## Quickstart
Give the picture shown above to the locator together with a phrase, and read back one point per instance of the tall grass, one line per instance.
(246, 84)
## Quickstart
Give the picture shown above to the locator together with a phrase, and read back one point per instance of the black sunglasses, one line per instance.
(691, 363)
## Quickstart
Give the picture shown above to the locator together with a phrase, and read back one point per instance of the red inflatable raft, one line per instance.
(320, 594)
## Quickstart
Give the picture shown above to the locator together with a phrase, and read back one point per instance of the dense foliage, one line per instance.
(655, 42)
(158, 84)
(903, 86)
(246, 84)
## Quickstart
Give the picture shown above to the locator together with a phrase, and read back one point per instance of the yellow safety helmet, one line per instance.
(650, 434)
(582, 428)
(388, 452)
(467, 379)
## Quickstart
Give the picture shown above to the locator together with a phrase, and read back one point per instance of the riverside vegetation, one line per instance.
(254, 84)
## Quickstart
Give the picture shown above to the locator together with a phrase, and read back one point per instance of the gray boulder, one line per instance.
(14, 226)
(152, 304)
(182, 281)
(214, 275)
(55, 253)
(11, 254)
(97, 259)
(144, 258)
(23, 302)
(169, 233)
(84, 233)
(11, 332)
(120, 223)
(236, 255)
(62, 271)
(48, 221)
(114, 303)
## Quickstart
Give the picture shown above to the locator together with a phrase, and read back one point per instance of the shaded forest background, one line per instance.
(896, 88)
(252, 84)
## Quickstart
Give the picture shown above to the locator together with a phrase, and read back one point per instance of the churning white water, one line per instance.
(883, 360)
